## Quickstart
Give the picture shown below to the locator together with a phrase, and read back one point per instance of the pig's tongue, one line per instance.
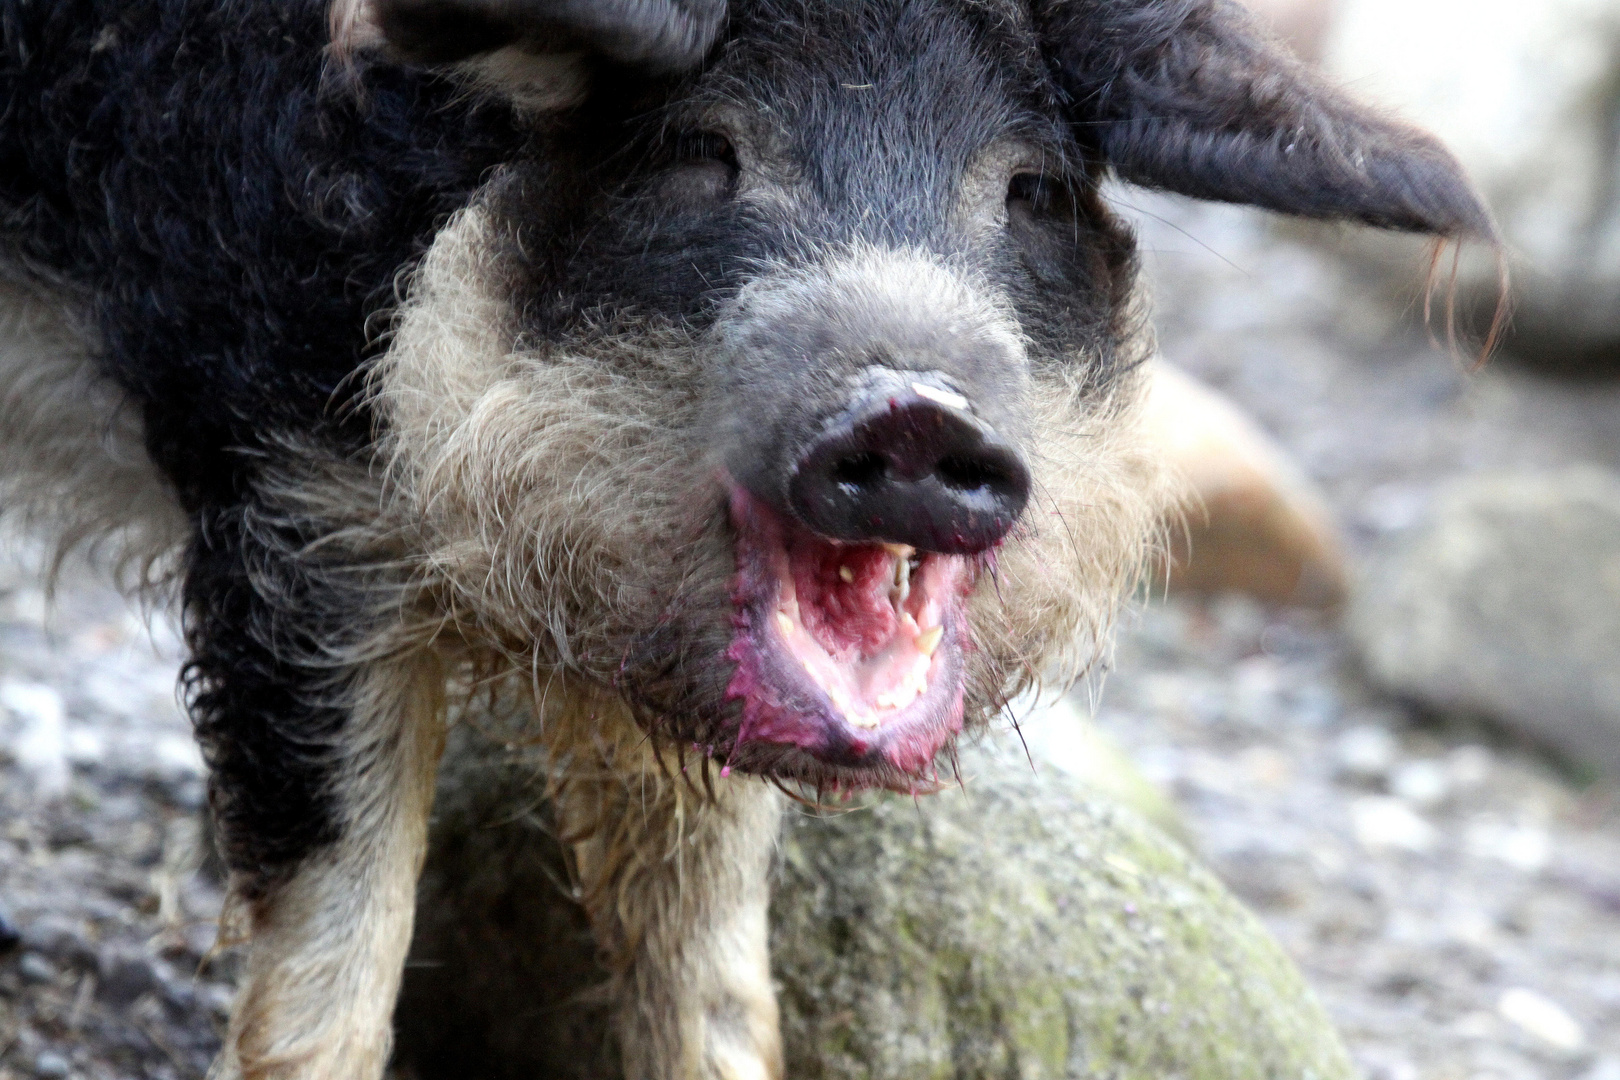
(850, 652)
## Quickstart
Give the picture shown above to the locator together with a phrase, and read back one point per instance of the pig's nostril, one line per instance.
(904, 468)
(969, 474)
(859, 470)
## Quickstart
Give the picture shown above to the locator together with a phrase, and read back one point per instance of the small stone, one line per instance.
(1607, 1068)
(40, 748)
(200, 937)
(10, 936)
(177, 757)
(190, 793)
(1381, 823)
(1366, 753)
(1266, 766)
(1391, 508)
(66, 832)
(35, 968)
(28, 605)
(1471, 927)
(60, 938)
(1385, 1064)
(50, 1064)
(1469, 766)
(217, 998)
(126, 975)
(1542, 1018)
(85, 746)
(1424, 784)
(1527, 848)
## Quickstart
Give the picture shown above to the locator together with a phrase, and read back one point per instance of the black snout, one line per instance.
(911, 467)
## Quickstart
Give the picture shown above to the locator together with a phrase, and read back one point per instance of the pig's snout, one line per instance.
(909, 463)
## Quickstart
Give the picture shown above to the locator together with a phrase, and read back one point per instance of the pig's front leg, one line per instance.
(676, 885)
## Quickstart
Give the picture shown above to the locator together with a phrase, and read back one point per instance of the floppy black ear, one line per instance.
(1192, 96)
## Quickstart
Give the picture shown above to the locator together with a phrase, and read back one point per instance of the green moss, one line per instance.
(1027, 930)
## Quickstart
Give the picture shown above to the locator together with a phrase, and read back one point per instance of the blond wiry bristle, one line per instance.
(1094, 521)
(352, 29)
(73, 465)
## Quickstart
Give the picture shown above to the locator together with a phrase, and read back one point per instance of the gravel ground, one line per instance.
(1453, 895)
(102, 881)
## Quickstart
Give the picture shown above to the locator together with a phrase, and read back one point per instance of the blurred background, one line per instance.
(1380, 695)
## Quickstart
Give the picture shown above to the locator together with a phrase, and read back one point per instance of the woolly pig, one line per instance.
(749, 395)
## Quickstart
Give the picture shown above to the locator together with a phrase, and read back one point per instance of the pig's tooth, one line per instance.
(928, 641)
(784, 624)
(900, 551)
(864, 720)
(887, 701)
(846, 575)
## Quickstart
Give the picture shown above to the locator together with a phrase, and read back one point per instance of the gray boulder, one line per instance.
(1506, 602)
(1026, 928)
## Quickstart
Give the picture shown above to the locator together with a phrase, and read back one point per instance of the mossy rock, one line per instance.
(1023, 928)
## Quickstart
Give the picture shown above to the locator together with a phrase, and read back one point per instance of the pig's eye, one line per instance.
(1033, 193)
(705, 147)
(704, 166)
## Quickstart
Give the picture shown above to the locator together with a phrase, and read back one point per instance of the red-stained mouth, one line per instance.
(851, 654)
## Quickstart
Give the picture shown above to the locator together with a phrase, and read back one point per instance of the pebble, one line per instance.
(10, 937)
(1607, 1068)
(1366, 752)
(62, 939)
(126, 975)
(1469, 766)
(177, 757)
(1391, 508)
(50, 1064)
(40, 748)
(217, 998)
(1526, 848)
(1383, 822)
(1424, 783)
(1542, 1018)
(35, 968)
(85, 746)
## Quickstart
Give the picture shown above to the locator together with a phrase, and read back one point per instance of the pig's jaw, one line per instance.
(850, 654)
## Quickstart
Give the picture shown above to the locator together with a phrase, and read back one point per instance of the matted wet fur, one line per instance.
(455, 353)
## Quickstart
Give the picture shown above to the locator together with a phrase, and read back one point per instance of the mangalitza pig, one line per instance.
(755, 389)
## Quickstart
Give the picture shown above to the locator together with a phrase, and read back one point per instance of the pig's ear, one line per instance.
(1192, 96)
(657, 35)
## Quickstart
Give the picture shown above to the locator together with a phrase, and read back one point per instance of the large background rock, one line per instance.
(1024, 928)
(1527, 94)
(1507, 602)
(1251, 521)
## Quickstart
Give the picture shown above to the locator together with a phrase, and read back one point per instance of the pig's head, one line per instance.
(791, 395)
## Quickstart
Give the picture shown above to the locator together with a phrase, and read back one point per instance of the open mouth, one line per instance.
(848, 654)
